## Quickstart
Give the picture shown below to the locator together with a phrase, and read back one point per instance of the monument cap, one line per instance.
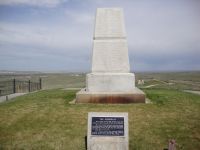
(109, 23)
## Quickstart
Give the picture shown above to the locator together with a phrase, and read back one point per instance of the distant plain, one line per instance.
(177, 80)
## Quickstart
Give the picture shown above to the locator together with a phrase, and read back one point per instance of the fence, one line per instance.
(17, 86)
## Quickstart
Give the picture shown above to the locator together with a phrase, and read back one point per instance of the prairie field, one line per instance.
(180, 80)
(46, 120)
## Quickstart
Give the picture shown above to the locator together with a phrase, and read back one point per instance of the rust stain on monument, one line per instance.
(111, 98)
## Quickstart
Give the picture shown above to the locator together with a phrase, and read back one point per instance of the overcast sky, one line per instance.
(56, 35)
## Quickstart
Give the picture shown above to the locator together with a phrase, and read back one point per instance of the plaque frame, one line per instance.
(92, 139)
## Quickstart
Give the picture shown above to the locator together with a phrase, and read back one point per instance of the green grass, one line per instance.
(46, 120)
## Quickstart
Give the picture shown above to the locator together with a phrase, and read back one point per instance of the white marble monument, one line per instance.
(110, 80)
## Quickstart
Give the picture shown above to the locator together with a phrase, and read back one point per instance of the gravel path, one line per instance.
(194, 92)
(151, 85)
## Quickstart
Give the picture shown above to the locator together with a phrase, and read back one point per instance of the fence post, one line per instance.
(40, 83)
(14, 85)
(29, 85)
(172, 145)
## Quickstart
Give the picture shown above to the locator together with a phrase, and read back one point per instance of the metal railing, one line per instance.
(18, 86)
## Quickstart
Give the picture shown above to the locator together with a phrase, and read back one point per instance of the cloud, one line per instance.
(80, 18)
(162, 35)
(56, 37)
(40, 47)
(40, 3)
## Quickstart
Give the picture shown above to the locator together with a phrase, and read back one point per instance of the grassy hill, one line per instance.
(46, 120)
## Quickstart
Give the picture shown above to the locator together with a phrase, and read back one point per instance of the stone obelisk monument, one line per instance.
(110, 80)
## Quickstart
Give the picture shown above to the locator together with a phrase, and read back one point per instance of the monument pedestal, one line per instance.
(110, 82)
(134, 96)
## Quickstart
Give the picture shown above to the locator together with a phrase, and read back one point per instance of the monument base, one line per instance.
(110, 82)
(135, 96)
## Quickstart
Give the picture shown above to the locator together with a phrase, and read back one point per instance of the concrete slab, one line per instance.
(9, 97)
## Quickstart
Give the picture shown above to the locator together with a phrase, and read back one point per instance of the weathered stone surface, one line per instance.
(107, 142)
(110, 50)
(110, 80)
(109, 23)
(110, 56)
